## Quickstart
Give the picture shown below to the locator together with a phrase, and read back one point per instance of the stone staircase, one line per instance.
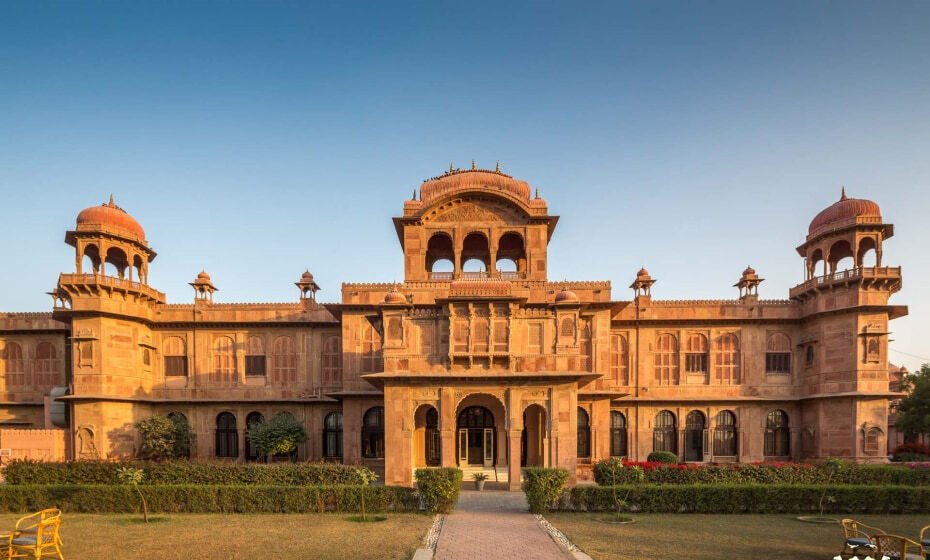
(495, 474)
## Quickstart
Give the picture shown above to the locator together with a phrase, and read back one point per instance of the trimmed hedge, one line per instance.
(186, 472)
(182, 498)
(666, 457)
(869, 475)
(439, 487)
(749, 498)
(543, 486)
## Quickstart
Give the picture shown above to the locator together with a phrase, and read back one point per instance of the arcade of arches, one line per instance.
(477, 358)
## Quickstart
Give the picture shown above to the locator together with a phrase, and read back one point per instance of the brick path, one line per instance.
(496, 525)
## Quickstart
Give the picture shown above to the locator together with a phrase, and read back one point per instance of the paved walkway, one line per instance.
(495, 525)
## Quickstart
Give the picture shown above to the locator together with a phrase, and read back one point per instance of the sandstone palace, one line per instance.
(477, 359)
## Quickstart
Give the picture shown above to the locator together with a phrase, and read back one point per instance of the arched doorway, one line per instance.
(427, 443)
(533, 440)
(475, 427)
(252, 454)
(695, 436)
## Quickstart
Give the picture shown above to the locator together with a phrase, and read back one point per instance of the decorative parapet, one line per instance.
(885, 276)
(94, 284)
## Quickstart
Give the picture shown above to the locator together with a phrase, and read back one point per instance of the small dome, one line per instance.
(203, 276)
(566, 296)
(306, 277)
(394, 296)
(750, 271)
(642, 272)
(110, 215)
(844, 209)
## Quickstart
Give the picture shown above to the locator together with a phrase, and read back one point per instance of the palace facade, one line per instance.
(476, 359)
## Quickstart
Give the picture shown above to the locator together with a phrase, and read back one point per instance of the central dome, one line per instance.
(476, 178)
(110, 215)
(844, 209)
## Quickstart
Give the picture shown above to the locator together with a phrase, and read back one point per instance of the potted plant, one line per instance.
(479, 480)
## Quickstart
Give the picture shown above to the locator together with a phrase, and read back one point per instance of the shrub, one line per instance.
(665, 457)
(184, 498)
(778, 473)
(543, 486)
(186, 472)
(279, 436)
(750, 498)
(164, 438)
(911, 451)
(439, 487)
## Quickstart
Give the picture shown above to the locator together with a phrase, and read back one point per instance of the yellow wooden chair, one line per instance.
(35, 536)
(925, 540)
(858, 537)
(897, 548)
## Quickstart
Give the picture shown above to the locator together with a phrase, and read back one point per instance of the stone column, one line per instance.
(447, 428)
(513, 471)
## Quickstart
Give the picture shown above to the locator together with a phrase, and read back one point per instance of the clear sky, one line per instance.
(256, 140)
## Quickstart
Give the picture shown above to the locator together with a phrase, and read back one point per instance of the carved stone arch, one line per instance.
(486, 207)
(462, 396)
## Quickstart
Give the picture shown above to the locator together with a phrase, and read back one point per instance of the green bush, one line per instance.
(279, 436)
(184, 498)
(543, 486)
(666, 457)
(439, 487)
(186, 472)
(765, 474)
(750, 498)
(165, 437)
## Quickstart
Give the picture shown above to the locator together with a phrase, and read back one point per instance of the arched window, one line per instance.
(809, 355)
(872, 441)
(725, 434)
(439, 256)
(332, 435)
(46, 365)
(568, 327)
(373, 433)
(777, 437)
(778, 354)
(726, 359)
(584, 434)
(666, 359)
(432, 442)
(13, 365)
(224, 360)
(255, 356)
(586, 344)
(332, 362)
(254, 418)
(511, 255)
(619, 359)
(476, 254)
(371, 350)
(617, 434)
(664, 434)
(146, 358)
(227, 436)
(695, 424)
(696, 354)
(284, 362)
(175, 352)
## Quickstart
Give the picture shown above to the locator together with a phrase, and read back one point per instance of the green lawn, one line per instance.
(706, 537)
(202, 537)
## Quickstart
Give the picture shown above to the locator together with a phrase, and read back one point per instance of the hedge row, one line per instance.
(879, 475)
(439, 487)
(178, 498)
(748, 498)
(186, 472)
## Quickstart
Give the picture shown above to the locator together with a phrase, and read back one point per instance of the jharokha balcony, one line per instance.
(878, 277)
(77, 285)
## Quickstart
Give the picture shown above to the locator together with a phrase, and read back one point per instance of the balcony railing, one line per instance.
(476, 275)
(842, 276)
(112, 282)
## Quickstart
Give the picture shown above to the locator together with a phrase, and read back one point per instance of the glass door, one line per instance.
(488, 447)
(463, 447)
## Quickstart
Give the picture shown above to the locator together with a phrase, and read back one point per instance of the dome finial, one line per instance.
(843, 193)
(451, 168)
(473, 166)
(537, 192)
(497, 168)
(111, 200)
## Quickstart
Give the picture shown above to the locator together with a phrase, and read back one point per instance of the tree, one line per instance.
(279, 436)
(165, 438)
(913, 412)
(133, 476)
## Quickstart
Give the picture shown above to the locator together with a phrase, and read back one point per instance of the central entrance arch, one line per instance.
(475, 427)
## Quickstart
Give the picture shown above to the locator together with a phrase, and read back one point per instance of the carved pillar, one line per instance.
(447, 427)
(513, 470)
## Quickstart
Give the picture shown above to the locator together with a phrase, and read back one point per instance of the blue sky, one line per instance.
(256, 140)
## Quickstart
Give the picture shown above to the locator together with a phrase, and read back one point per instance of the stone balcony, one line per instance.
(874, 277)
(95, 285)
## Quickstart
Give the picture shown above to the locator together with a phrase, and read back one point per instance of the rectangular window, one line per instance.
(778, 362)
(696, 363)
(460, 336)
(500, 336)
(175, 366)
(481, 334)
(535, 342)
(255, 365)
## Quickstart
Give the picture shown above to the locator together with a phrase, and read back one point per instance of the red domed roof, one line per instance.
(394, 296)
(642, 272)
(749, 271)
(845, 209)
(306, 277)
(110, 215)
(203, 275)
(566, 296)
(476, 178)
